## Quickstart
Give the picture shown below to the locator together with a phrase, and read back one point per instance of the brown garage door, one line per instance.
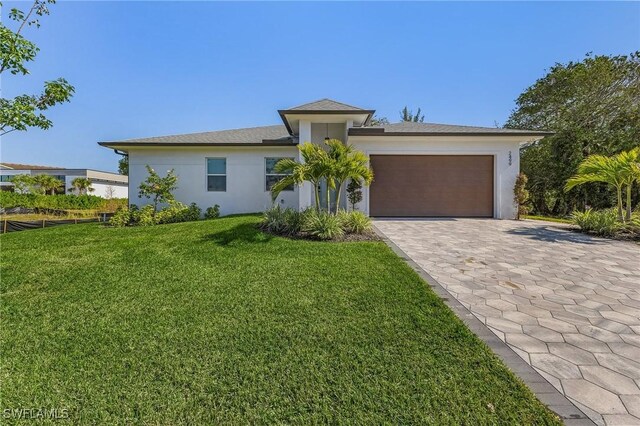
(432, 185)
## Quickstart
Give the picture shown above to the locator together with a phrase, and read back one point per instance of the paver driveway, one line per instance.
(567, 303)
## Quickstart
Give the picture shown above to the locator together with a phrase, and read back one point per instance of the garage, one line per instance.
(432, 186)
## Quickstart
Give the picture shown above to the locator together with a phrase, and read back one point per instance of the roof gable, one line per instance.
(325, 105)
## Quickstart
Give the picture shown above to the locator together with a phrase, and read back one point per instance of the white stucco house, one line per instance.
(104, 184)
(421, 169)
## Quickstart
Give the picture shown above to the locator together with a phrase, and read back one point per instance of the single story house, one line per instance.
(420, 169)
(104, 184)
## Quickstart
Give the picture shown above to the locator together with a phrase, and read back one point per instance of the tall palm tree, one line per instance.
(599, 168)
(346, 163)
(313, 168)
(630, 163)
(82, 185)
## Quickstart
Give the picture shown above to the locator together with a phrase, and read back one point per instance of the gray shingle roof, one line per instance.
(254, 135)
(326, 105)
(409, 127)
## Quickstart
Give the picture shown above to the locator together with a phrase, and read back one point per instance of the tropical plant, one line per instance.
(355, 222)
(630, 163)
(157, 188)
(313, 168)
(48, 184)
(521, 195)
(23, 184)
(408, 115)
(617, 171)
(323, 225)
(354, 192)
(592, 107)
(345, 163)
(599, 222)
(82, 185)
(26, 111)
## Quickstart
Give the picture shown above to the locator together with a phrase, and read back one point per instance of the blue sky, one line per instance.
(154, 68)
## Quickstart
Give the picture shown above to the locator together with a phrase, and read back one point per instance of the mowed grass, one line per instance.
(548, 218)
(214, 322)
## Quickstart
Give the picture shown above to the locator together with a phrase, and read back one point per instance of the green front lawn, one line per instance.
(215, 322)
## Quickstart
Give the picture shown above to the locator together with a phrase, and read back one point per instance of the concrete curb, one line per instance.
(544, 391)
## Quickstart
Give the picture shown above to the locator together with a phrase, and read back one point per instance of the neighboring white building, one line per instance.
(421, 169)
(104, 184)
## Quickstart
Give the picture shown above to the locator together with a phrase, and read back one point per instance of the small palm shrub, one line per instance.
(323, 225)
(212, 212)
(599, 222)
(355, 222)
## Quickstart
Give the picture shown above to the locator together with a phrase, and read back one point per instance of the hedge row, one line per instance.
(58, 202)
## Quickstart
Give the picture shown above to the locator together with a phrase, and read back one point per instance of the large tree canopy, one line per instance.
(26, 111)
(593, 106)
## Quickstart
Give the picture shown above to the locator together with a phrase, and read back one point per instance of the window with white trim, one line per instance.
(217, 174)
(271, 176)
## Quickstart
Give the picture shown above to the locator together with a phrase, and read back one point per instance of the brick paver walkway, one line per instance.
(567, 303)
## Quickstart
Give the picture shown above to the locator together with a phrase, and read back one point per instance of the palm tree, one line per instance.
(599, 168)
(313, 168)
(630, 162)
(346, 163)
(82, 185)
(48, 184)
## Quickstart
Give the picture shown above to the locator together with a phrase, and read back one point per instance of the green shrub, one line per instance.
(122, 217)
(192, 213)
(599, 222)
(212, 212)
(59, 202)
(322, 225)
(174, 213)
(355, 222)
(273, 220)
(145, 216)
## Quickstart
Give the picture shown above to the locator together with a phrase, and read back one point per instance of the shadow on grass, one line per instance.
(243, 233)
(552, 234)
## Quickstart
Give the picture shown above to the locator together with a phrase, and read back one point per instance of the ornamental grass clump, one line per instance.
(314, 224)
(356, 222)
(323, 226)
(600, 222)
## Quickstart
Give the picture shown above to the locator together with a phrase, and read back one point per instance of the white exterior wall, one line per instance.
(246, 188)
(246, 192)
(120, 190)
(505, 171)
(101, 189)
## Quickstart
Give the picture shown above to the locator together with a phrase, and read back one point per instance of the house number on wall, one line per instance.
(510, 158)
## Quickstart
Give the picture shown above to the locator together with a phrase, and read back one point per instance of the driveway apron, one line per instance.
(567, 303)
